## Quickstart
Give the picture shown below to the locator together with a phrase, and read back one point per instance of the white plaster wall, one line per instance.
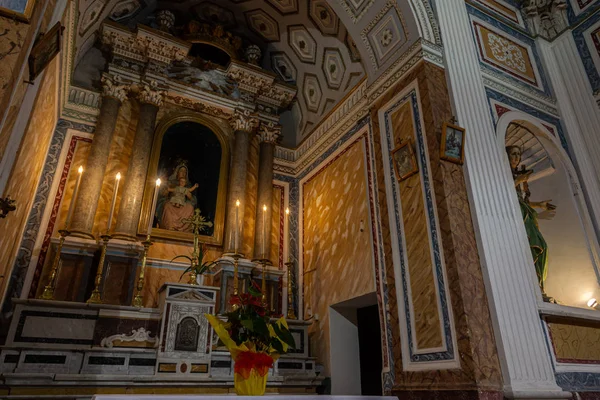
(571, 275)
(344, 353)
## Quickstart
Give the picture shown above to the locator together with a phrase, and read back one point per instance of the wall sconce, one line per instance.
(592, 303)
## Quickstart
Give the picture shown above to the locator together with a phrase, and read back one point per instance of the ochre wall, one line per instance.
(574, 341)
(15, 39)
(480, 369)
(337, 256)
(22, 183)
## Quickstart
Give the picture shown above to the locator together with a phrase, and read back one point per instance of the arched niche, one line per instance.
(573, 261)
(194, 148)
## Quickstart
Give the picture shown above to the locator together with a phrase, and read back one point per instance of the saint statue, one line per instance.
(537, 244)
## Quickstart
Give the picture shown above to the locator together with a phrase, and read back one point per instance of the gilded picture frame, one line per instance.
(19, 9)
(452, 144)
(216, 238)
(405, 161)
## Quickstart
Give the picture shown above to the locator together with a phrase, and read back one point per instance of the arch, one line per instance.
(223, 138)
(557, 154)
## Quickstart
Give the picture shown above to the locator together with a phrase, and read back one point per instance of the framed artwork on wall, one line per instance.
(405, 161)
(452, 145)
(44, 50)
(19, 9)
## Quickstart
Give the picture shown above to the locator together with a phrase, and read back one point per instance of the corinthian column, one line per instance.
(244, 123)
(503, 247)
(114, 92)
(268, 133)
(150, 98)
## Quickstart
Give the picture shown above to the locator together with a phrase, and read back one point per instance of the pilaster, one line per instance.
(507, 265)
(579, 111)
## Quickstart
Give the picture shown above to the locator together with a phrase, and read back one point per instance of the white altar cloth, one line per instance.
(234, 397)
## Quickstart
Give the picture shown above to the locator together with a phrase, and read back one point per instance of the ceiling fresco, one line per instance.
(323, 47)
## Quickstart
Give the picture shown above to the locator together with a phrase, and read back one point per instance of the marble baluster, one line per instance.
(150, 98)
(86, 203)
(505, 256)
(244, 123)
(268, 133)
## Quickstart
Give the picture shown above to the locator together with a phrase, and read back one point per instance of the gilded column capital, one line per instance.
(150, 93)
(269, 132)
(244, 120)
(114, 86)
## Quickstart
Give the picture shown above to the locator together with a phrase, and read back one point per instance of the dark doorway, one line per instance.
(369, 341)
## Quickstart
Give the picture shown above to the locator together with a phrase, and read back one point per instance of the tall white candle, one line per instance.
(72, 204)
(151, 219)
(289, 237)
(264, 231)
(114, 202)
(237, 226)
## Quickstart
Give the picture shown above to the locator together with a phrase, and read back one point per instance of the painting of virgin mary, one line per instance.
(190, 166)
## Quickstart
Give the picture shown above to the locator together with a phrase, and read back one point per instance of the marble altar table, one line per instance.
(234, 397)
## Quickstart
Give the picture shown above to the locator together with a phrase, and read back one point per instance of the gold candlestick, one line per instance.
(96, 297)
(236, 280)
(48, 293)
(290, 295)
(137, 300)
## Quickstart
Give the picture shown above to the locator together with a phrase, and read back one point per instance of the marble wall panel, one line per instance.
(480, 367)
(338, 256)
(416, 233)
(29, 163)
(575, 342)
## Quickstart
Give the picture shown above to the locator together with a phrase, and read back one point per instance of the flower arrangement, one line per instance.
(253, 339)
(197, 264)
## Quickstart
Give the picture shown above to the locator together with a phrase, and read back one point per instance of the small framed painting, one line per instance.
(405, 161)
(44, 50)
(452, 145)
(19, 9)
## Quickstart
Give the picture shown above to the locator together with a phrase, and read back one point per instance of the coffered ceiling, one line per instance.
(324, 47)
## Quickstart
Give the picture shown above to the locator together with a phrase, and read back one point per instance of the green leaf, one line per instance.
(260, 327)
(248, 324)
(284, 335)
(277, 346)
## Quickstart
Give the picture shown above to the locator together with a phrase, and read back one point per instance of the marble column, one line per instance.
(244, 123)
(268, 133)
(114, 92)
(503, 247)
(150, 98)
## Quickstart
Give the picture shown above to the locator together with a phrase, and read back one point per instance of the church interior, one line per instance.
(412, 187)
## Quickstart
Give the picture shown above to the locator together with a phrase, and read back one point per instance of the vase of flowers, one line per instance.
(198, 266)
(253, 338)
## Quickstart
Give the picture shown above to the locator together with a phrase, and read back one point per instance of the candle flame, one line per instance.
(265, 207)
(237, 203)
(118, 176)
(287, 211)
(80, 170)
(158, 182)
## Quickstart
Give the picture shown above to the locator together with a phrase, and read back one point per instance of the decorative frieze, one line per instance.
(269, 132)
(114, 86)
(244, 120)
(546, 18)
(150, 93)
(249, 80)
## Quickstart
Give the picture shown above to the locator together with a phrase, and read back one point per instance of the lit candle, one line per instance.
(237, 226)
(289, 237)
(75, 190)
(151, 219)
(264, 232)
(114, 202)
